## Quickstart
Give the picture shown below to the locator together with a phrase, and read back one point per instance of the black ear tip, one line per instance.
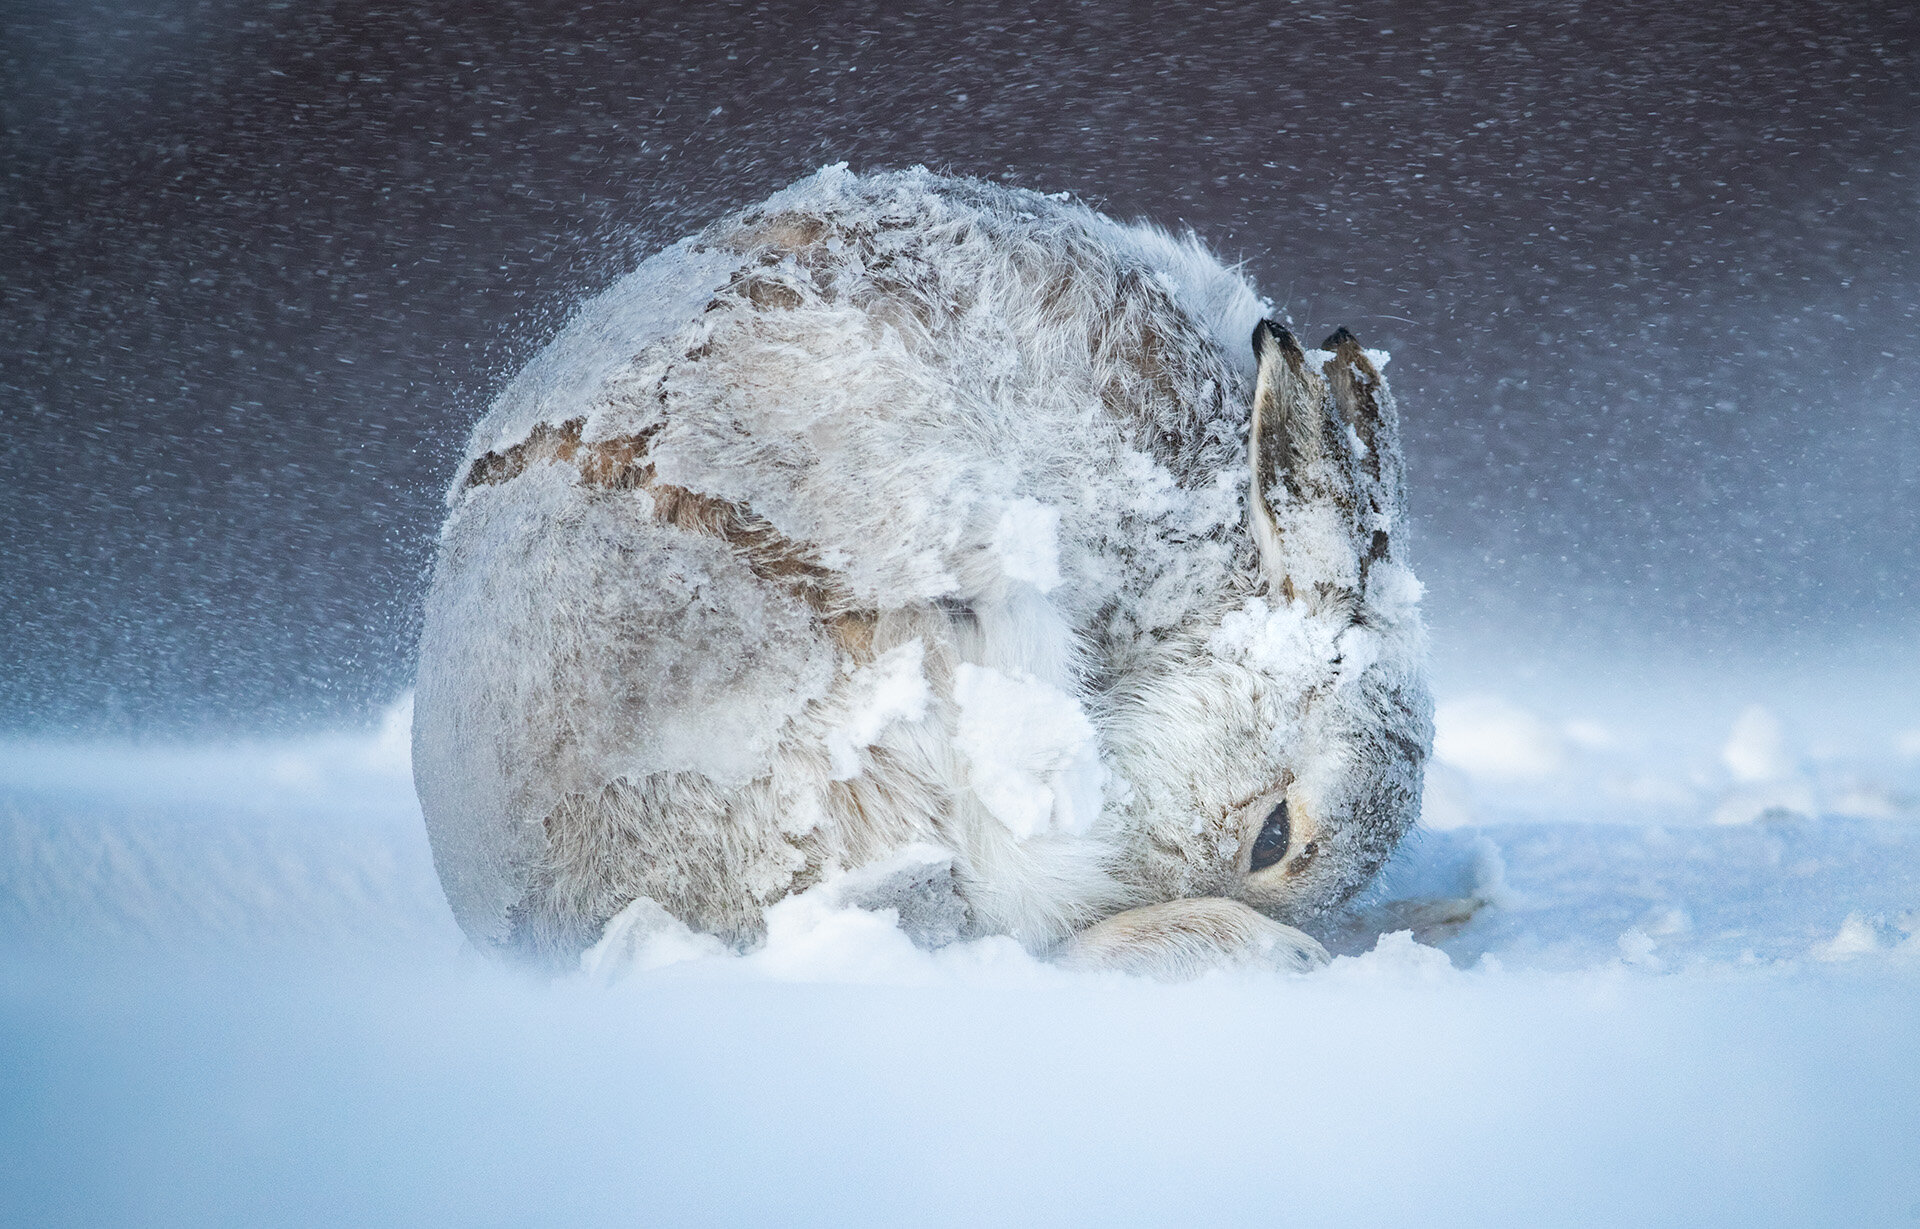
(1269, 329)
(1340, 338)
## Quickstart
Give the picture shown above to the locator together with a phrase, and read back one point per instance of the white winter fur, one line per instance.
(747, 577)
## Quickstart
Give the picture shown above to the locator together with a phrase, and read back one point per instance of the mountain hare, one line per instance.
(912, 522)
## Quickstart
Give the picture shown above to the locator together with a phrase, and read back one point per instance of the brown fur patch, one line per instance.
(785, 232)
(765, 293)
(806, 238)
(853, 631)
(622, 464)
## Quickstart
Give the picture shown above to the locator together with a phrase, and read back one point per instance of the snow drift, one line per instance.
(230, 993)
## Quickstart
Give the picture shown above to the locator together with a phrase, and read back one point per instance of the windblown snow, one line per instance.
(232, 994)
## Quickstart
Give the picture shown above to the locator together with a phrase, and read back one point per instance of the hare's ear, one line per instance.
(1328, 493)
(1287, 436)
(1365, 405)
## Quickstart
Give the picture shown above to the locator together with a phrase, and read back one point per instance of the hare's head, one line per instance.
(1278, 753)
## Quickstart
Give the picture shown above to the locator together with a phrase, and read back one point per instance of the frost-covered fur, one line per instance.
(903, 511)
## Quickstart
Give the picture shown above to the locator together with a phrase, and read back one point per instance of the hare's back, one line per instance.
(674, 534)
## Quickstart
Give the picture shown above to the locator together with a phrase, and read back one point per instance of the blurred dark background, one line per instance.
(1648, 273)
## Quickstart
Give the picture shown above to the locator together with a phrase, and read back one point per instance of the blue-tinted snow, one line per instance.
(230, 993)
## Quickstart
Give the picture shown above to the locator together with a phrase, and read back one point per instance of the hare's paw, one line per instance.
(1182, 939)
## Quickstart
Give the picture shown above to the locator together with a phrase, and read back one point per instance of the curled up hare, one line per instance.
(939, 545)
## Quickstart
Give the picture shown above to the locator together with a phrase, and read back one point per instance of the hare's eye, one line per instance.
(1271, 845)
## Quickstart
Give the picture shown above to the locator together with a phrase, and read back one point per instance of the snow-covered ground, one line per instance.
(231, 993)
